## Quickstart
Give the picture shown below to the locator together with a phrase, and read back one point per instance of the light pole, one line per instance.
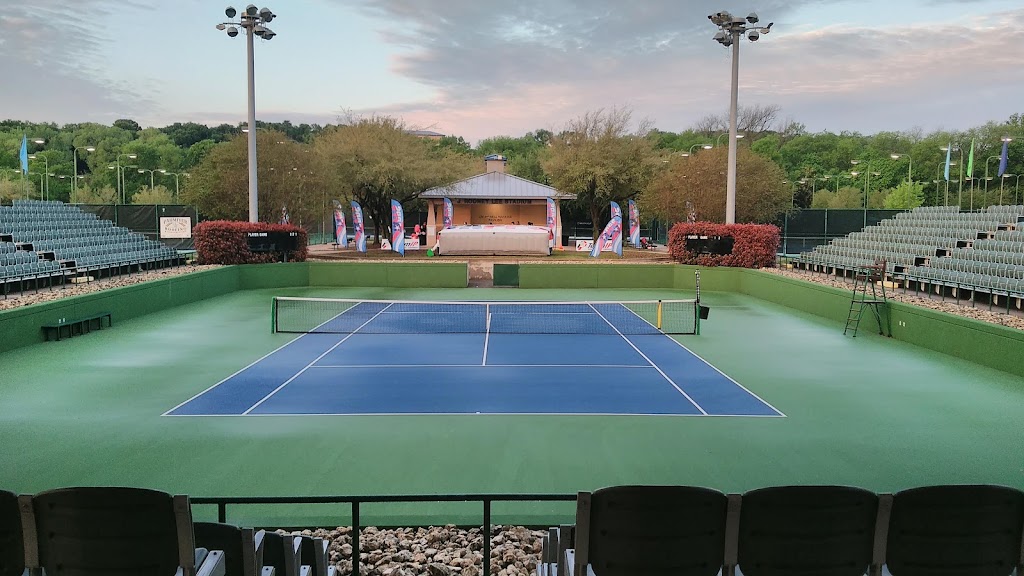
(867, 186)
(143, 171)
(46, 171)
(175, 174)
(695, 146)
(120, 174)
(1002, 181)
(910, 168)
(252, 20)
(74, 169)
(731, 28)
(937, 174)
(987, 160)
(718, 141)
(1016, 191)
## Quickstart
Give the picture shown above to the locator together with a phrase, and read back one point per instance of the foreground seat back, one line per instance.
(104, 531)
(963, 530)
(242, 547)
(12, 547)
(640, 530)
(824, 530)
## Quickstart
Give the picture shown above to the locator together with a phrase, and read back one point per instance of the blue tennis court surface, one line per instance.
(387, 358)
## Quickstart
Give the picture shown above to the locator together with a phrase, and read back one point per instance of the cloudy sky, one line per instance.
(478, 69)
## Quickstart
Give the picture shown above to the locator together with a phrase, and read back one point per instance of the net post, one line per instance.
(696, 307)
(273, 316)
(659, 315)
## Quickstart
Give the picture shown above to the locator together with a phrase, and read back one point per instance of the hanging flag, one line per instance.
(284, 215)
(447, 214)
(610, 239)
(340, 233)
(970, 162)
(24, 154)
(397, 227)
(358, 230)
(550, 220)
(949, 150)
(1003, 158)
(634, 224)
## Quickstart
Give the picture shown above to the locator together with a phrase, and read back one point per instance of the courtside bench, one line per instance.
(83, 325)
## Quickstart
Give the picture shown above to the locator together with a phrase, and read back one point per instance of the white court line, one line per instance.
(478, 366)
(655, 366)
(464, 414)
(300, 372)
(713, 367)
(255, 362)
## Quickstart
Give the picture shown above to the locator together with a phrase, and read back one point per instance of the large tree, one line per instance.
(287, 176)
(601, 158)
(373, 160)
(698, 182)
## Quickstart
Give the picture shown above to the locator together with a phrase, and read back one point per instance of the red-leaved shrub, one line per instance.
(754, 245)
(225, 242)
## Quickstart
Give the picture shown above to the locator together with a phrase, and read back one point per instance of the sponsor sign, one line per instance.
(175, 227)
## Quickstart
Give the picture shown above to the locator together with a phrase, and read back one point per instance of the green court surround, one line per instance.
(938, 403)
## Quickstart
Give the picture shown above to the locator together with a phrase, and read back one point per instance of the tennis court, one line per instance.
(402, 357)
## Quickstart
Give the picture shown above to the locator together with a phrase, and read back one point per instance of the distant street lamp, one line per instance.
(252, 21)
(1002, 181)
(938, 178)
(46, 171)
(867, 186)
(695, 146)
(120, 174)
(74, 169)
(910, 168)
(143, 171)
(1016, 191)
(731, 29)
(175, 174)
(718, 141)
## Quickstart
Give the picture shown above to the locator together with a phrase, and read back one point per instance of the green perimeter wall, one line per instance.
(987, 344)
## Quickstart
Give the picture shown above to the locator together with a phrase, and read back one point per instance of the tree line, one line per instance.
(601, 156)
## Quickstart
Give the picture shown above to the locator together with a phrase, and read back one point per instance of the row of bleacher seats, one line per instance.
(790, 530)
(936, 247)
(131, 531)
(79, 242)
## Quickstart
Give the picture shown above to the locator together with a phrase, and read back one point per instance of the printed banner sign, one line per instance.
(175, 227)
(397, 227)
(357, 227)
(447, 214)
(611, 238)
(584, 245)
(550, 214)
(634, 224)
(340, 233)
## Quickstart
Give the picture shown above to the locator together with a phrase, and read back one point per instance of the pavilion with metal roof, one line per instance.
(495, 198)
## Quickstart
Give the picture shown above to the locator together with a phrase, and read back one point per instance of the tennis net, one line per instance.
(346, 316)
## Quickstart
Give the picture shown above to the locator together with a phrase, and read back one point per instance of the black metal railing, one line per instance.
(485, 500)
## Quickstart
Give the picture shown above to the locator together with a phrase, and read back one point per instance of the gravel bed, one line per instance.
(46, 294)
(980, 312)
(433, 551)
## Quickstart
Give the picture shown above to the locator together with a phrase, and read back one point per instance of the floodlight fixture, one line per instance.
(731, 29)
(252, 19)
(39, 141)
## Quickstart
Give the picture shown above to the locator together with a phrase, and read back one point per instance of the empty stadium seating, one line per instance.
(822, 530)
(45, 242)
(939, 249)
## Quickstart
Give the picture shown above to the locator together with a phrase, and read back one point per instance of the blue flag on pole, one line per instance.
(949, 150)
(24, 154)
(1003, 158)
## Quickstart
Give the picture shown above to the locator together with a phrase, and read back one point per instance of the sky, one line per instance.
(479, 69)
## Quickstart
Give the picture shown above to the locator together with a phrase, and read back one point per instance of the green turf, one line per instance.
(869, 411)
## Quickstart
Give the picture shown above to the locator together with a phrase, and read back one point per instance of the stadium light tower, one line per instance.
(252, 20)
(731, 28)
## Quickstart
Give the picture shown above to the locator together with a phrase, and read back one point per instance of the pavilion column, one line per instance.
(558, 223)
(431, 222)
